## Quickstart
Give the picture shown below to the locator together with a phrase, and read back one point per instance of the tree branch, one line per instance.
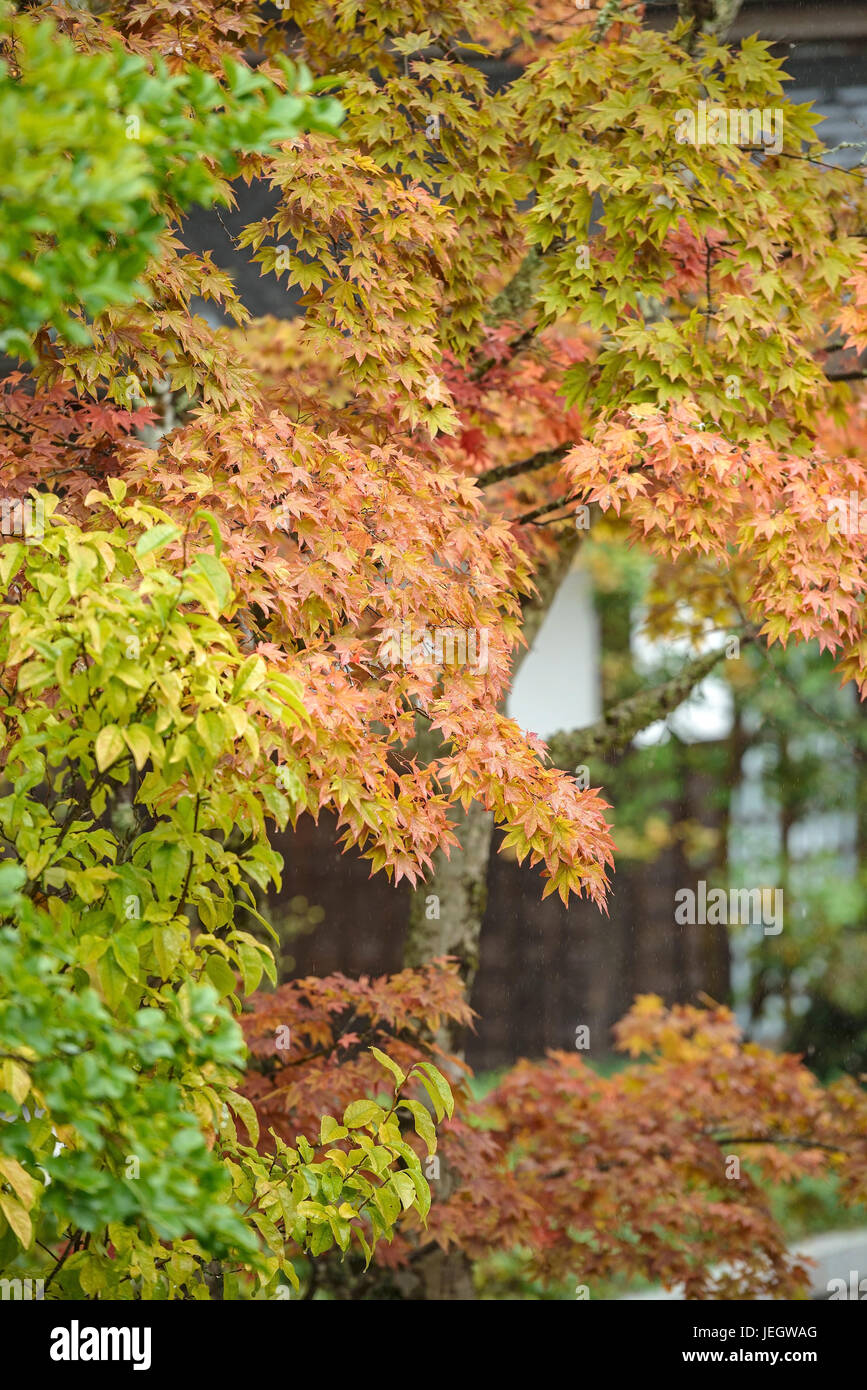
(528, 465)
(621, 722)
(516, 297)
(713, 17)
(726, 1140)
(544, 508)
(858, 375)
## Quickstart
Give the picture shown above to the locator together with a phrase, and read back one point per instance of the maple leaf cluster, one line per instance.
(801, 573)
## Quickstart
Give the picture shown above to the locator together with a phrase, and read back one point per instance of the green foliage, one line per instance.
(96, 1129)
(133, 725)
(134, 706)
(92, 144)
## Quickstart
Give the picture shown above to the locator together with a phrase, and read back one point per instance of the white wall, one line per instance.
(557, 686)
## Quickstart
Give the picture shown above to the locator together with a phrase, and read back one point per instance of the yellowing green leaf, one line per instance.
(221, 975)
(391, 1066)
(25, 1187)
(18, 1219)
(362, 1112)
(15, 1080)
(109, 746)
(215, 573)
(156, 538)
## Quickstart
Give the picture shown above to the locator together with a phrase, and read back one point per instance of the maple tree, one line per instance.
(515, 303)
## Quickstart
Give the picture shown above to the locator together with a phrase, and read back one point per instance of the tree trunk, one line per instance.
(445, 918)
(445, 915)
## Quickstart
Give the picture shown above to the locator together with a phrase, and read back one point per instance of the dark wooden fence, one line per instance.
(544, 969)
